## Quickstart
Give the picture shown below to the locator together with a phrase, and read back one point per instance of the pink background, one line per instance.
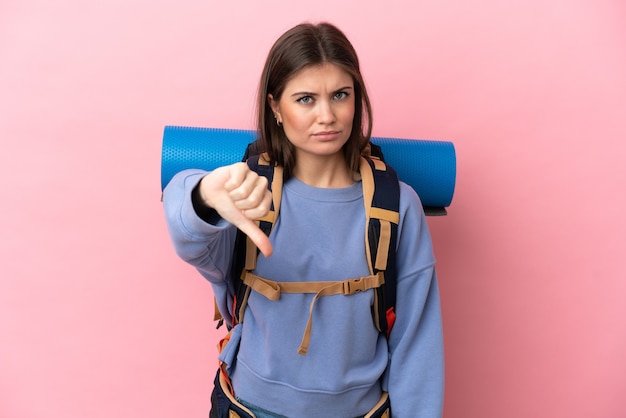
(98, 317)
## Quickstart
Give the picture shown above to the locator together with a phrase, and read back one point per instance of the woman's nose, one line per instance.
(326, 113)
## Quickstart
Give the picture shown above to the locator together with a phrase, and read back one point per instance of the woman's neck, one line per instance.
(323, 171)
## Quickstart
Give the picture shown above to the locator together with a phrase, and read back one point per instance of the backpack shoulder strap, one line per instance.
(246, 253)
(381, 196)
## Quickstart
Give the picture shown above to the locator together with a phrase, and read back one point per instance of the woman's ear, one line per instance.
(275, 107)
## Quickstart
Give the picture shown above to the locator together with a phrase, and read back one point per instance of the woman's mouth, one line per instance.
(326, 135)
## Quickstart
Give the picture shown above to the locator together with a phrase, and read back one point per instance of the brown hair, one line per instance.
(302, 46)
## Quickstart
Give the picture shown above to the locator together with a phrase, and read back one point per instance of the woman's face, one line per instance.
(316, 109)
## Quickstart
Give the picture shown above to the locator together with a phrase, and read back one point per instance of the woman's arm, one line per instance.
(415, 375)
(201, 238)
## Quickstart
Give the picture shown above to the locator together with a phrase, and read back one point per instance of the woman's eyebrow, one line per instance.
(304, 93)
(309, 93)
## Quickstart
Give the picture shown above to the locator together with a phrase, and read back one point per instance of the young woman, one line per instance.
(315, 123)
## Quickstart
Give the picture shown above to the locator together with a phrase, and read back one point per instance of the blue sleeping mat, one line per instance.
(427, 166)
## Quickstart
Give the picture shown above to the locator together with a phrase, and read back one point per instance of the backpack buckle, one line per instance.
(354, 285)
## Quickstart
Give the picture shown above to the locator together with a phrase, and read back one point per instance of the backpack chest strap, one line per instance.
(272, 290)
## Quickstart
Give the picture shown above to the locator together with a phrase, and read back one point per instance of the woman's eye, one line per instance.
(305, 99)
(340, 95)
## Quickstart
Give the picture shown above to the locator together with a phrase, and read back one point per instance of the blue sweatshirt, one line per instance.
(320, 236)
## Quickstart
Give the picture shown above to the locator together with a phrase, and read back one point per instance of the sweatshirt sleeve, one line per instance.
(206, 246)
(415, 375)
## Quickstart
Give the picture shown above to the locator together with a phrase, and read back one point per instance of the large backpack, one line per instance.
(381, 194)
